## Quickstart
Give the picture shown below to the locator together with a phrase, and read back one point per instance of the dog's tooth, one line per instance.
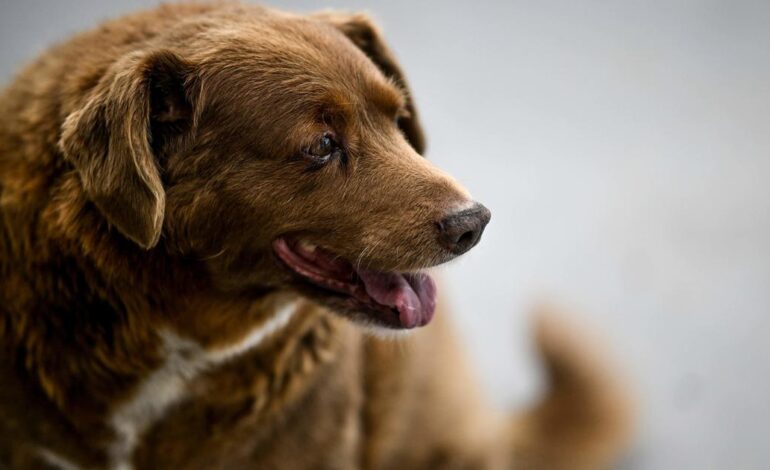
(307, 246)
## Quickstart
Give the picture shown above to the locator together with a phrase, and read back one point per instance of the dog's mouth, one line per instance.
(391, 299)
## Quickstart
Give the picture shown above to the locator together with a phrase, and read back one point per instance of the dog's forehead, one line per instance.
(300, 57)
(284, 42)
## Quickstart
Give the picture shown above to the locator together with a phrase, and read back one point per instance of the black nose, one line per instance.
(460, 231)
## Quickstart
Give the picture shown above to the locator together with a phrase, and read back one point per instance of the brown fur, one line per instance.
(145, 169)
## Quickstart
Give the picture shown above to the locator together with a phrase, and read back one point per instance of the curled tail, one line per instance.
(584, 421)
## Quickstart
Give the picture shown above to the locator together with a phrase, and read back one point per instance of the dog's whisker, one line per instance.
(371, 249)
(360, 258)
(215, 255)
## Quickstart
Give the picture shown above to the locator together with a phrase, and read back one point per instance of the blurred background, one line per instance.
(624, 150)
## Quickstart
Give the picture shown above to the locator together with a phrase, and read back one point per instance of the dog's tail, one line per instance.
(585, 419)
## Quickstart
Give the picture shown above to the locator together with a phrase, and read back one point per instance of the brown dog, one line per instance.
(195, 201)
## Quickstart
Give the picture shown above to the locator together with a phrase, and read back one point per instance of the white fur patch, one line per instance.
(56, 461)
(185, 359)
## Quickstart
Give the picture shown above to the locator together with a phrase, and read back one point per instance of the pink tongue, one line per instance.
(413, 295)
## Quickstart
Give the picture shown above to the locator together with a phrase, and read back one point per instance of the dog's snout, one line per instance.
(460, 231)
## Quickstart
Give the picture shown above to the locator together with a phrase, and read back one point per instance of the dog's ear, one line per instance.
(362, 31)
(114, 137)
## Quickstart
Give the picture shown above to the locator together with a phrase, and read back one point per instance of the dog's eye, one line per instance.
(323, 149)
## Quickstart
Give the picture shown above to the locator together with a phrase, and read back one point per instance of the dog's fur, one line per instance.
(145, 169)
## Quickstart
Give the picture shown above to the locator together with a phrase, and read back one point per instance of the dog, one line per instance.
(214, 219)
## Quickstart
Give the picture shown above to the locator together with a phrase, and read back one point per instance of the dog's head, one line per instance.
(282, 152)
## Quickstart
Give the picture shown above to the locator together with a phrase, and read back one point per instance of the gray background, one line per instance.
(623, 150)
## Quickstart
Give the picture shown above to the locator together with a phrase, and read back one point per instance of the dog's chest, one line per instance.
(229, 409)
(300, 391)
(184, 360)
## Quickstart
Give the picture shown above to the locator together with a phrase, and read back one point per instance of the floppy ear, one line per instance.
(362, 31)
(113, 140)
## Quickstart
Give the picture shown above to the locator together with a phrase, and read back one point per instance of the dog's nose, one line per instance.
(461, 230)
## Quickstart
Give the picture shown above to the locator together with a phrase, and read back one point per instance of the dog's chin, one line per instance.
(378, 300)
